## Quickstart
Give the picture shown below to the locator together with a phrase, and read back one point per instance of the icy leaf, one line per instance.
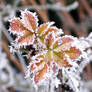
(26, 39)
(43, 68)
(16, 26)
(62, 47)
(61, 59)
(62, 44)
(25, 27)
(40, 74)
(37, 65)
(66, 39)
(44, 27)
(51, 29)
(73, 53)
(49, 40)
(30, 20)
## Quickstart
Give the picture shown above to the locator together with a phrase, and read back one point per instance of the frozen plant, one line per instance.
(53, 52)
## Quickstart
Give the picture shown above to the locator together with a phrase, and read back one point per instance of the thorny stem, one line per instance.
(71, 81)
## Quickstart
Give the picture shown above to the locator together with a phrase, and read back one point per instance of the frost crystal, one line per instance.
(52, 51)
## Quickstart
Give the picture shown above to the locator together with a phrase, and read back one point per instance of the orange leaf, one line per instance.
(40, 74)
(73, 52)
(30, 20)
(60, 59)
(26, 39)
(63, 43)
(17, 26)
(51, 29)
(49, 40)
(38, 64)
(66, 39)
(44, 27)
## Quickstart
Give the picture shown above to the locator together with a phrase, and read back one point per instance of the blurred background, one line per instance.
(73, 16)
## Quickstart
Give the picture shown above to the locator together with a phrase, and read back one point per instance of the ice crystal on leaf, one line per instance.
(55, 51)
(27, 29)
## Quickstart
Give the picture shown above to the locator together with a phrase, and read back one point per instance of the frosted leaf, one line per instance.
(41, 68)
(30, 20)
(26, 39)
(44, 27)
(49, 39)
(54, 29)
(24, 36)
(61, 59)
(66, 43)
(16, 26)
(83, 43)
(53, 51)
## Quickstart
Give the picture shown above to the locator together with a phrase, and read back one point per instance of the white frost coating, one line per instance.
(57, 82)
(70, 36)
(72, 80)
(60, 32)
(89, 52)
(59, 42)
(86, 42)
